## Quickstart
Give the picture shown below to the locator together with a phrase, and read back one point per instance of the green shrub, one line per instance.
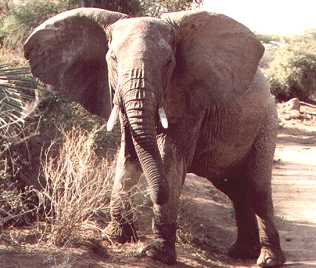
(141, 7)
(268, 38)
(156, 7)
(130, 7)
(292, 72)
(24, 17)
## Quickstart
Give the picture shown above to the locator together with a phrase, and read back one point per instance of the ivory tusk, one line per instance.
(113, 118)
(163, 117)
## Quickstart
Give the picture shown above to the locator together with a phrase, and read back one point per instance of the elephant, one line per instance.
(189, 97)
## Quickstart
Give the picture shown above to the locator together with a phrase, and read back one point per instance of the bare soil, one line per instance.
(206, 220)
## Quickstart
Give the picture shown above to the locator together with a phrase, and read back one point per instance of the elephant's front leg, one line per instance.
(121, 228)
(165, 216)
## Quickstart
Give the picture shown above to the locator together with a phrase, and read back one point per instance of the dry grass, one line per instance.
(73, 204)
(77, 186)
(16, 207)
(17, 102)
(13, 56)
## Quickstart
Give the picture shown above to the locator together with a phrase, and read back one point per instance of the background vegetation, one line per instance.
(290, 65)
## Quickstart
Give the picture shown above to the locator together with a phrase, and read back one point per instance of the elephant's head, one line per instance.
(198, 53)
(141, 59)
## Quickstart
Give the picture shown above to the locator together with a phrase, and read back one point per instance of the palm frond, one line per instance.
(18, 97)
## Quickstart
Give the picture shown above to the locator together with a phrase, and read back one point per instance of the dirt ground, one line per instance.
(206, 221)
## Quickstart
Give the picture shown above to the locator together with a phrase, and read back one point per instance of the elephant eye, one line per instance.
(169, 62)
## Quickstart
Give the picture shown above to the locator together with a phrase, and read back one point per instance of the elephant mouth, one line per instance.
(117, 107)
(114, 117)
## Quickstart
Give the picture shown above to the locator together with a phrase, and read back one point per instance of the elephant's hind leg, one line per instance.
(259, 174)
(247, 243)
(121, 228)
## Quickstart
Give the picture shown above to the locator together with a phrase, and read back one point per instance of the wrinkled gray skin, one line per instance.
(231, 145)
(202, 69)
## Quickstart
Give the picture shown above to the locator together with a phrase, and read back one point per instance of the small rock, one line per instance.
(292, 105)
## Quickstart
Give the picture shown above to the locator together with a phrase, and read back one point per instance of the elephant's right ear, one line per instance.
(68, 52)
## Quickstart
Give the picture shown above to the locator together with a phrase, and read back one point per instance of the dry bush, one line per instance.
(17, 206)
(18, 100)
(77, 186)
(12, 56)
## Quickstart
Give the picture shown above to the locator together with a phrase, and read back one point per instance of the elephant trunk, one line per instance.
(140, 103)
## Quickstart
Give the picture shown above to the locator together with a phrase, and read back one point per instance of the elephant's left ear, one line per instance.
(215, 53)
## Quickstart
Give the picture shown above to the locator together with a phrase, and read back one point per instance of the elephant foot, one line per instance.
(121, 233)
(270, 258)
(240, 250)
(161, 250)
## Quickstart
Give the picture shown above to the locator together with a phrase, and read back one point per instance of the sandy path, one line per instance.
(294, 194)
